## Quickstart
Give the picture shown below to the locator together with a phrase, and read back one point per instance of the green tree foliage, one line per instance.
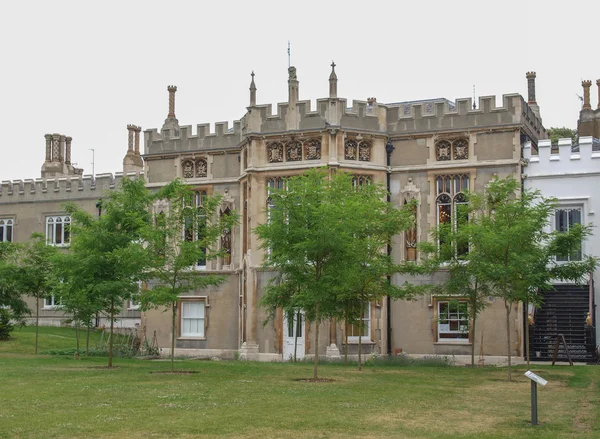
(180, 236)
(511, 253)
(326, 239)
(556, 133)
(35, 273)
(12, 305)
(109, 251)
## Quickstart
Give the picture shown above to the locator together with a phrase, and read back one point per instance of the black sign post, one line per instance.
(535, 380)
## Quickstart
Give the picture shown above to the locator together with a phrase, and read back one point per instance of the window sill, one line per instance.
(191, 338)
(134, 309)
(453, 343)
(51, 308)
(364, 342)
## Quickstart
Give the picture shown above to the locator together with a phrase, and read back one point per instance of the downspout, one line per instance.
(389, 148)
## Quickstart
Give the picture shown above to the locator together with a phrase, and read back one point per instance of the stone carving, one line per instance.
(275, 152)
(350, 150)
(201, 168)
(364, 151)
(443, 150)
(461, 149)
(187, 167)
(293, 151)
(312, 149)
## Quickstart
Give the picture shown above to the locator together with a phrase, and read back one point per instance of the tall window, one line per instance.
(273, 183)
(6, 230)
(361, 180)
(194, 228)
(192, 318)
(452, 207)
(565, 219)
(354, 331)
(453, 321)
(58, 230)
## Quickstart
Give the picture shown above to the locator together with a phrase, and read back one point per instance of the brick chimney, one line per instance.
(531, 100)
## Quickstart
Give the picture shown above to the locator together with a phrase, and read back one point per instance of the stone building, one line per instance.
(432, 150)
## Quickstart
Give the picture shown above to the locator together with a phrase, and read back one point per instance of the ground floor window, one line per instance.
(193, 318)
(354, 330)
(453, 321)
(51, 302)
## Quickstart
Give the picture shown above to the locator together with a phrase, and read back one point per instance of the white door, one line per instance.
(293, 332)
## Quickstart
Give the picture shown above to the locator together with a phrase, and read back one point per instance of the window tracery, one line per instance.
(364, 151)
(350, 150)
(451, 208)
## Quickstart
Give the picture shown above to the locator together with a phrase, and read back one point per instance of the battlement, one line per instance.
(183, 139)
(569, 159)
(60, 188)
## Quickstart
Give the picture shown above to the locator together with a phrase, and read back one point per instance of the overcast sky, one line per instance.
(87, 69)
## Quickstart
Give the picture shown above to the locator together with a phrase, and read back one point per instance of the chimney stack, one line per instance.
(252, 91)
(171, 89)
(68, 150)
(130, 129)
(333, 82)
(531, 87)
(48, 147)
(137, 130)
(586, 94)
(55, 147)
(132, 162)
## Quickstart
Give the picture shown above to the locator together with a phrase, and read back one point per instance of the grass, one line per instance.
(58, 397)
(23, 339)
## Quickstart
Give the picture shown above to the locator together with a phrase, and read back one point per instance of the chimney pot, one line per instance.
(531, 87)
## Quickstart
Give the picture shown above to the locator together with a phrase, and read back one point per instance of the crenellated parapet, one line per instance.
(61, 188)
(567, 158)
(183, 138)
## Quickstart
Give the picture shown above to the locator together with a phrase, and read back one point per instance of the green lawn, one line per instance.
(23, 339)
(58, 397)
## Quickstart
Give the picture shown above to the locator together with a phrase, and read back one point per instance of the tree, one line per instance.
(12, 305)
(109, 249)
(511, 251)
(372, 222)
(326, 240)
(556, 133)
(75, 292)
(34, 275)
(182, 236)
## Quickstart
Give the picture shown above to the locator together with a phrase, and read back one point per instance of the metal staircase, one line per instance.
(564, 312)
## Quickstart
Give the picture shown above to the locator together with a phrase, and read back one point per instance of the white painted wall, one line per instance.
(573, 178)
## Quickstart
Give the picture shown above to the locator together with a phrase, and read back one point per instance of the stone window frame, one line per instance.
(435, 303)
(199, 194)
(569, 207)
(187, 299)
(51, 303)
(6, 224)
(364, 339)
(450, 196)
(52, 221)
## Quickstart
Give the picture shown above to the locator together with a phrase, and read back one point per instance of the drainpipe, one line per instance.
(389, 148)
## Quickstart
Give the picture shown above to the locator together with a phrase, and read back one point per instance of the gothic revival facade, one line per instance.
(431, 150)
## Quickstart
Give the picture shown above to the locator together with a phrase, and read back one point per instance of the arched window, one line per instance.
(194, 227)
(410, 237)
(58, 230)
(226, 240)
(6, 230)
(452, 207)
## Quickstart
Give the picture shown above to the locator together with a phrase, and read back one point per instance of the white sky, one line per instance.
(87, 69)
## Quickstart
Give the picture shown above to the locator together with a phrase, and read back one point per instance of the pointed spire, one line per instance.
(252, 91)
(333, 82)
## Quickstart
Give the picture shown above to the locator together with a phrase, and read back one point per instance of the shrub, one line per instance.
(6, 324)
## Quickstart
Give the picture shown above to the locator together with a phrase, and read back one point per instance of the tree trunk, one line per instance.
(37, 322)
(473, 339)
(507, 307)
(360, 330)
(77, 338)
(110, 343)
(87, 340)
(315, 377)
(346, 337)
(174, 313)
